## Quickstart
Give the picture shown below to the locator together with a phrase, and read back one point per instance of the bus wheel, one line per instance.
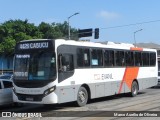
(82, 97)
(134, 89)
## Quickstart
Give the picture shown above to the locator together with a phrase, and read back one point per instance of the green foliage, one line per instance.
(7, 46)
(13, 31)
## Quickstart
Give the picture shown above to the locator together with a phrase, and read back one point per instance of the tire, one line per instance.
(134, 89)
(82, 97)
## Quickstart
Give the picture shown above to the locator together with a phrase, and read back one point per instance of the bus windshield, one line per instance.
(35, 66)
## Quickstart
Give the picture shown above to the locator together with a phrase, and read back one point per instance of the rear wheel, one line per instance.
(82, 97)
(134, 89)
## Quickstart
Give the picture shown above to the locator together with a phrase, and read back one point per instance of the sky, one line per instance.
(103, 14)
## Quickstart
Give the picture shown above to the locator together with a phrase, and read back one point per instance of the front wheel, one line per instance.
(82, 97)
(134, 89)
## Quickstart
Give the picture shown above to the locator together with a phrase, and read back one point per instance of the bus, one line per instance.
(57, 71)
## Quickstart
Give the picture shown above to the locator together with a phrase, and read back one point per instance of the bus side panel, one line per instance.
(127, 89)
(100, 90)
(108, 89)
(115, 85)
(147, 82)
(147, 77)
(66, 94)
(105, 89)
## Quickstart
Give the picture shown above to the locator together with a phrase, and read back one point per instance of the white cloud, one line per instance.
(108, 15)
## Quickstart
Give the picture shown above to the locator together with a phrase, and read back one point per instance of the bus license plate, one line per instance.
(29, 99)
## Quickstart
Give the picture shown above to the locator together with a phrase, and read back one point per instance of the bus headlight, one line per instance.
(14, 90)
(48, 91)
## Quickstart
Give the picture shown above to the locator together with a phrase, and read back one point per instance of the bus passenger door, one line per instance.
(65, 72)
(66, 67)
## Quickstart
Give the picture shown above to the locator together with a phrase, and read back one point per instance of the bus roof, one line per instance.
(109, 44)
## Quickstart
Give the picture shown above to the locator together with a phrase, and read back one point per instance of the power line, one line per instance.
(132, 24)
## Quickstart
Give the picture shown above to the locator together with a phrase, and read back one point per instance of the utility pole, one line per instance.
(69, 34)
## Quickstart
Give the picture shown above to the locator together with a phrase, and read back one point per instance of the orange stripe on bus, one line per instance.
(135, 48)
(130, 74)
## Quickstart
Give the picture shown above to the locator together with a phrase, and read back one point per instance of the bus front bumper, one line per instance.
(37, 99)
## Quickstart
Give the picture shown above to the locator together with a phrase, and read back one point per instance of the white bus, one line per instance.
(59, 71)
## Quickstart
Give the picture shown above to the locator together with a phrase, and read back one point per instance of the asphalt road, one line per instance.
(147, 102)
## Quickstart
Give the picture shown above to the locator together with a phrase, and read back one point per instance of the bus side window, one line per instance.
(83, 57)
(119, 56)
(109, 58)
(138, 59)
(152, 59)
(66, 62)
(129, 58)
(97, 57)
(145, 58)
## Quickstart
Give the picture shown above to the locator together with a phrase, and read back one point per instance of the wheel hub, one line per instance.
(82, 96)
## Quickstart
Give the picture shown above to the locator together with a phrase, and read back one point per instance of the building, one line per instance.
(150, 45)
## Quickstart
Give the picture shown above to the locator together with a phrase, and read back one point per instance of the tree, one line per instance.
(7, 46)
(13, 31)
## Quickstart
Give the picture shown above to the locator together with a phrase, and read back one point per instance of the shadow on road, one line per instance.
(156, 87)
(113, 97)
(54, 107)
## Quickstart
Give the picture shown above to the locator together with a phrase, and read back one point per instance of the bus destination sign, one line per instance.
(35, 45)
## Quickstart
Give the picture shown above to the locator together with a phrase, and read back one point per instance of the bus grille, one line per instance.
(25, 97)
(30, 84)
